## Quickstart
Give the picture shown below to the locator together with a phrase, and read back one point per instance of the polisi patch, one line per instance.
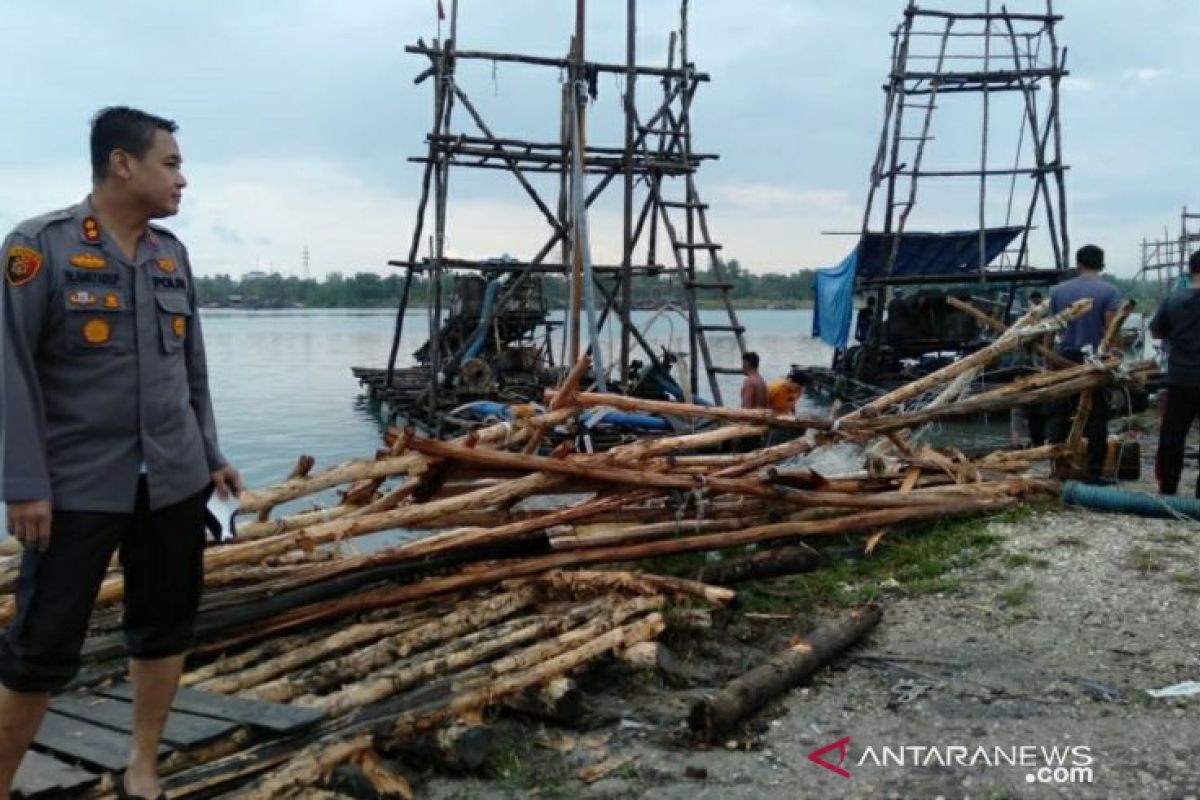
(91, 230)
(166, 265)
(179, 326)
(163, 282)
(81, 298)
(87, 261)
(96, 331)
(21, 265)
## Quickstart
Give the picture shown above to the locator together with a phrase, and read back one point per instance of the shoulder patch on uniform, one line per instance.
(166, 265)
(21, 265)
(87, 261)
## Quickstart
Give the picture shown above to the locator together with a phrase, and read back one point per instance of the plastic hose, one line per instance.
(1121, 501)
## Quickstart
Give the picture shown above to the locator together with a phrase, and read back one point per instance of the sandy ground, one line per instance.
(1048, 638)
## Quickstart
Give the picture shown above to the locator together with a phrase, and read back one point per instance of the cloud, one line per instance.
(226, 233)
(1145, 73)
(773, 197)
(1074, 84)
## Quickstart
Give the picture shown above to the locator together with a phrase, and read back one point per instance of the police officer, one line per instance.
(109, 441)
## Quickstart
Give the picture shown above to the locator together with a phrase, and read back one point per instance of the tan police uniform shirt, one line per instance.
(104, 372)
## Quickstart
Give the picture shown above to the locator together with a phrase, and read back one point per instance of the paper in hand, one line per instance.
(219, 517)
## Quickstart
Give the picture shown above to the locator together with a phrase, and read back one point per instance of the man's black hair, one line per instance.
(1194, 263)
(750, 360)
(123, 128)
(1035, 296)
(1090, 256)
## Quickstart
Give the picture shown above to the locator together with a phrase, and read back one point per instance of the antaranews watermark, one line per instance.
(1054, 764)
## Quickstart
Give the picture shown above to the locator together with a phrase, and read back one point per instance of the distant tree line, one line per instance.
(369, 290)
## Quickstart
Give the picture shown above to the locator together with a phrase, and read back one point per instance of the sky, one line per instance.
(297, 119)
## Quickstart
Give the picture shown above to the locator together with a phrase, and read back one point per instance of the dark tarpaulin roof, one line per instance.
(948, 253)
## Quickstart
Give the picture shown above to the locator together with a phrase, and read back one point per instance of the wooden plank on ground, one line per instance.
(41, 774)
(273, 717)
(92, 744)
(182, 730)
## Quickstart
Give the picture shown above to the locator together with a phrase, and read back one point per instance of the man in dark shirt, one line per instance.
(1081, 338)
(1178, 322)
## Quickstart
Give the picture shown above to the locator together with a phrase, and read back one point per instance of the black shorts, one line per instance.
(162, 557)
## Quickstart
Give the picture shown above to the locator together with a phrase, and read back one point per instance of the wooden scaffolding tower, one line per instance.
(1165, 260)
(665, 226)
(953, 58)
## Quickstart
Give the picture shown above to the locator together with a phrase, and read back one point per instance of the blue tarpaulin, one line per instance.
(946, 253)
(834, 302)
(918, 254)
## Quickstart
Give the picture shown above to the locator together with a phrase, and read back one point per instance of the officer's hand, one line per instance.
(226, 481)
(29, 523)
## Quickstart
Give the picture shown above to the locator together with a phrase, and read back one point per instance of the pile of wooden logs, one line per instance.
(438, 579)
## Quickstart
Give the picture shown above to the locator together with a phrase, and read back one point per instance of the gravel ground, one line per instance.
(1049, 640)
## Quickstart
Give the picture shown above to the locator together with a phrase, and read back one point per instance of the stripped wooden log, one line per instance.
(464, 618)
(572, 629)
(1052, 358)
(1014, 337)
(850, 523)
(1084, 409)
(267, 497)
(770, 563)
(588, 583)
(761, 416)
(410, 722)
(746, 694)
(566, 391)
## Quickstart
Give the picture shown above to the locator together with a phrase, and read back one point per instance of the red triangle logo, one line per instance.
(840, 746)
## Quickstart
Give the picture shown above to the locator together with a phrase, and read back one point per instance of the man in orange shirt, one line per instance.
(784, 393)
